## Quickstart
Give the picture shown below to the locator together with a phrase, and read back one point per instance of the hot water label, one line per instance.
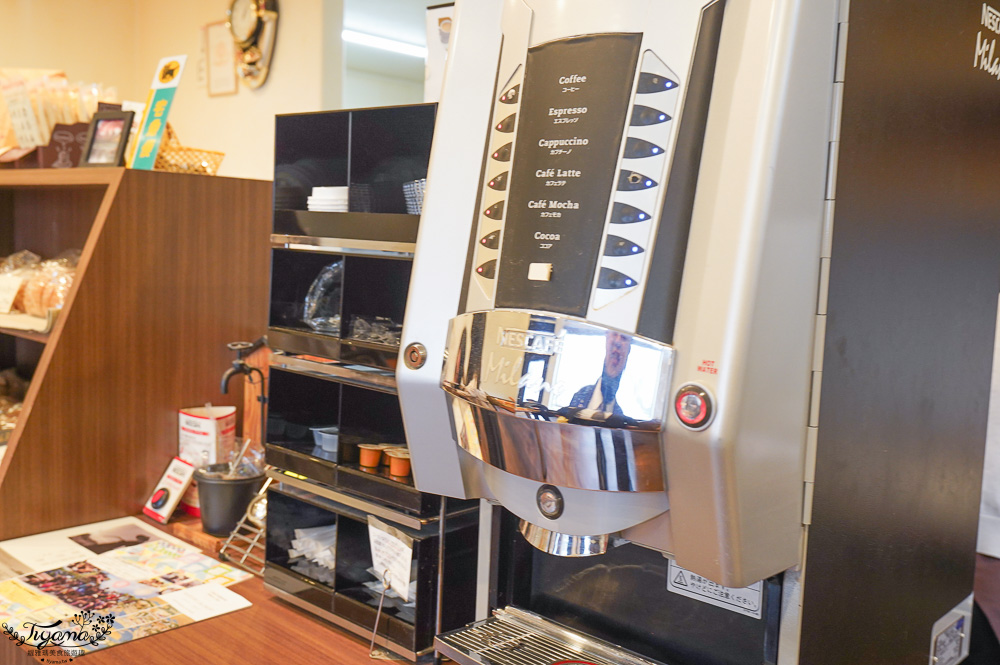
(747, 600)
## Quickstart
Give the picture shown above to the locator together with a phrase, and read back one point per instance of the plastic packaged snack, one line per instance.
(49, 284)
(19, 261)
(321, 310)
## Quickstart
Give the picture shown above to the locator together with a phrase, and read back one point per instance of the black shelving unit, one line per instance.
(329, 377)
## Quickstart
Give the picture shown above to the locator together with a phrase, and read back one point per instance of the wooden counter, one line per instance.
(270, 632)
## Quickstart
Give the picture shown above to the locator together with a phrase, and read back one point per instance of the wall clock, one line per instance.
(254, 25)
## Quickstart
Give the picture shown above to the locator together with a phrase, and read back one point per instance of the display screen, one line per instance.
(576, 94)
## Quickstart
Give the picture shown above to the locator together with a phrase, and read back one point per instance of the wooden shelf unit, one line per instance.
(172, 268)
(39, 337)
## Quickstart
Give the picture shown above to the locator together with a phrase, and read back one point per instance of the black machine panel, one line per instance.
(621, 597)
(910, 330)
(575, 98)
(659, 305)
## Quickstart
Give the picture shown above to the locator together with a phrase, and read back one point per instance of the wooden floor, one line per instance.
(271, 632)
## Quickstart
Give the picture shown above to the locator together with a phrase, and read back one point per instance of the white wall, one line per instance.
(241, 125)
(363, 89)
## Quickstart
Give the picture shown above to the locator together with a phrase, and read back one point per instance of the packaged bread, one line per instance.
(22, 264)
(47, 289)
(48, 285)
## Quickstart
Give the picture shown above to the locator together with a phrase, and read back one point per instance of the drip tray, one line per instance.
(514, 636)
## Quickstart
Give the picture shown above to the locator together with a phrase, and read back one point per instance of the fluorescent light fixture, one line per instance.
(384, 44)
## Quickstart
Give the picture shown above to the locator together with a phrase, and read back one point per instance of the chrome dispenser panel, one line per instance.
(559, 400)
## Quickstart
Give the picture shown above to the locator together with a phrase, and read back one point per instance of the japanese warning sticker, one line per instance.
(747, 600)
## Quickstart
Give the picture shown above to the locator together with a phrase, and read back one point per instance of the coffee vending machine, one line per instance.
(703, 308)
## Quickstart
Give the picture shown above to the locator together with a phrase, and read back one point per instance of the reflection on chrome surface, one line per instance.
(562, 544)
(559, 400)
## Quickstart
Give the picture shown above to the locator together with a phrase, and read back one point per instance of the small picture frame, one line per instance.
(106, 139)
(221, 55)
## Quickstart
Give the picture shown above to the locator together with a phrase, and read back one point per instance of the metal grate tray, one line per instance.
(516, 637)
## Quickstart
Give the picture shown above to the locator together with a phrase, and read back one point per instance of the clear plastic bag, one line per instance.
(322, 304)
(48, 287)
(377, 329)
(19, 261)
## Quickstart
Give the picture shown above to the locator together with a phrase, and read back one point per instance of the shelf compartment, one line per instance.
(368, 288)
(346, 351)
(358, 226)
(373, 151)
(291, 482)
(362, 376)
(399, 250)
(410, 629)
(285, 514)
(25, 326)
(34, 336)
(292, 276)
(299, 400)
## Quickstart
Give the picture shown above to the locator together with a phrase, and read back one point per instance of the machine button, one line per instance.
(495, 211)
(632, 181)
(623, 213)
(643, 116)
(639, 148)
(415, 355)
(693, 406)
(511, 95)
(540, 272)
(612, 279)
(490, 240)
(650, 83)
(488, 269)
(550, 501)
(506, 125)
(499, 182)
(617, 246)
(502, 153)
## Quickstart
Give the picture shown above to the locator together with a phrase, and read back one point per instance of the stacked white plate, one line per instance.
(328, 199)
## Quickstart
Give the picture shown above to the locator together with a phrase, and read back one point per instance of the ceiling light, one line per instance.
(384, 44)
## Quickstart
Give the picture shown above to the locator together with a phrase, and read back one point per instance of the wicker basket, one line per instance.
(176, 158)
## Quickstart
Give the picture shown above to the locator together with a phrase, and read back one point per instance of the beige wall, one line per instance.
(363, 89)
(90, 41)
(241, 125)
(118, 42)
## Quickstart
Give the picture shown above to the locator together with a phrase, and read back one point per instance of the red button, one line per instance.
(693, 406)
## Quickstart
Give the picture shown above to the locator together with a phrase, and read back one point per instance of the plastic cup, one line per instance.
(223, 500)
(399, 462)
(326, 438)
(371, 455)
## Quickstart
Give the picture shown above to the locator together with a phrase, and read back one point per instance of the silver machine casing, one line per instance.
(725, 499)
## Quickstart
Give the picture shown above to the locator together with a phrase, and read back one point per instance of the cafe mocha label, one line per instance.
(575, 98)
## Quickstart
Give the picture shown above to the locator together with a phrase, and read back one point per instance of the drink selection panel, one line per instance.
(573, 106)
